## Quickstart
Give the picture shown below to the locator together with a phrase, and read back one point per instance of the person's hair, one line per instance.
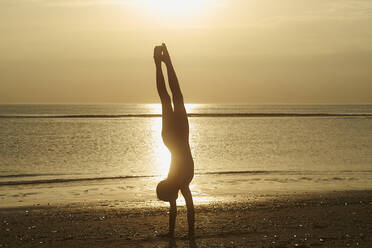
(166, 191)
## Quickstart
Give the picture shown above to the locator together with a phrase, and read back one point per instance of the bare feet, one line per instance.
(158, 54)
(166, 58)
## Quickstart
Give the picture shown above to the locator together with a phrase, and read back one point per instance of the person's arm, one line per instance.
(172, 217)
(190, 210)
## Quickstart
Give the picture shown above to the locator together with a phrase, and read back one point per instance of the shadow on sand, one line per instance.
(172, 243)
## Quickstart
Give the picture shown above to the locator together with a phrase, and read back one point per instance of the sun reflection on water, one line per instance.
(162, 155)
(160, 151)
(156, 109)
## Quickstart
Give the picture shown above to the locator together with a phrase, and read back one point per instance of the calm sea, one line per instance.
(236, 148)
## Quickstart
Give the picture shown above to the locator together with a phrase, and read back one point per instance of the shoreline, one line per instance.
(205, 188)
(315, 219)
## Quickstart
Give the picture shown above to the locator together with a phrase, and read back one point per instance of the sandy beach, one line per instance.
(256, 113)
(333, 219)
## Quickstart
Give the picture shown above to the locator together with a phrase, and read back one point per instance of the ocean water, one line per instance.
(82, 152)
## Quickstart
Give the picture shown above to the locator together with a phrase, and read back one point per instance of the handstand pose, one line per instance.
(175, 134)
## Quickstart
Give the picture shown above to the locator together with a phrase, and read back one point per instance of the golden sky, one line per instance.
(224, 51)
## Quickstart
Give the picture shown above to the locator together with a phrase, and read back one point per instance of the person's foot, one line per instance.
(166, 58)
(158, 50)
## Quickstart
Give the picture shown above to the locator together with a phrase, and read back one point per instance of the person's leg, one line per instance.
(185, 190)
(177, 97)
(162, 90)
(172, 78)
(160, 82)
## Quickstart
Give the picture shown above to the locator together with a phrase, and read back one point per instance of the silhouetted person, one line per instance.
(175, 134)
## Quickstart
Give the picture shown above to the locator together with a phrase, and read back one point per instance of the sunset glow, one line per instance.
(254, 116)
(174, 7)
(238, 51)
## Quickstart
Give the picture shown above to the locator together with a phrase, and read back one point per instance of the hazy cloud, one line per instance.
(69, 2)
(349, 9)
(308, 47)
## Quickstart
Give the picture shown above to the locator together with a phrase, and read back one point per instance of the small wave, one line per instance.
(190, 115)
(28, 175)
(360, 171)
(256, 172)
(66, 180)
(251, 172)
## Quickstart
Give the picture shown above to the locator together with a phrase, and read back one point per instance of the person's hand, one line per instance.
(158, 54)
(166, 58)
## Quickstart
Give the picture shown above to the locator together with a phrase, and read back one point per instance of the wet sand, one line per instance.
(333, 219)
